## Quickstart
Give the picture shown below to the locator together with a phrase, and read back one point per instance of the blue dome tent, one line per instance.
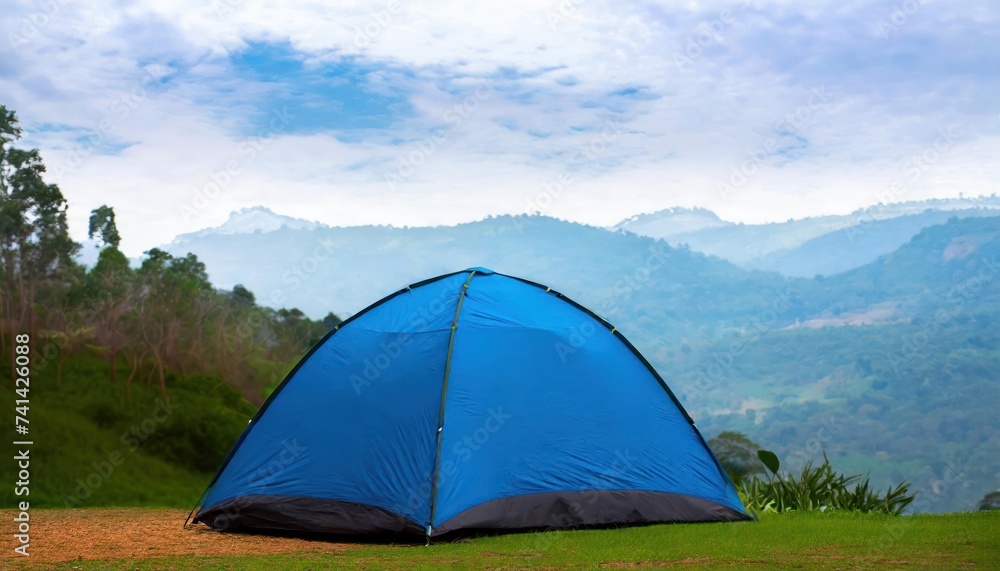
(473, 400)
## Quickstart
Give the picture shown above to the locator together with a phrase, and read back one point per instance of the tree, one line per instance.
(243, 295)
(737, 454)
(331, 320)
(241, 331)
(68, 342)
(170, 290)
(68, 327)
(186, 283)
(990, 501)
(109, 287)
(109, 292)
(102, 223)
(35, 248)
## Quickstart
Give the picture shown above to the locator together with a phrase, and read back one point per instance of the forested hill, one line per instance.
(622, 276)
(893, 367)
(935, 261)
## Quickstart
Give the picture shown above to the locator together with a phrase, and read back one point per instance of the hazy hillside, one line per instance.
(853, 246)
(345, 269)
(672, 222)
(822, 245)
(737, 242)
(952, 264)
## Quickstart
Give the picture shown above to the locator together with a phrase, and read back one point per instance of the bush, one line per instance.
(819, 488)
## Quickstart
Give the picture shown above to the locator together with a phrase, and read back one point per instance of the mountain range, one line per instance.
(823, 245)
(319, 268)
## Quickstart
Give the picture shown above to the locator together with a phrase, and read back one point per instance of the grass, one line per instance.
(793, 540)
(93, 446)
(72, 465)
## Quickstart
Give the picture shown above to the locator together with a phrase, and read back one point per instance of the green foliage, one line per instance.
(109, 276)
(102, 224)
(35, 247)
(770, 460)
(199, 433)
(243, 295)
(819, 488)
(990, 501)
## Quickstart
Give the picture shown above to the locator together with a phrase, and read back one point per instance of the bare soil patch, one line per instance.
(58, 536)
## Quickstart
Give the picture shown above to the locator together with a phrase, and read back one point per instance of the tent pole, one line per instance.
(436, 474)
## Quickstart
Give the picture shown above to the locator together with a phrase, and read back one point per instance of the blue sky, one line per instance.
(417, 113)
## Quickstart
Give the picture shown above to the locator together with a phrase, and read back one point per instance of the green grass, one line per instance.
(86, 450)
(76, 452)
(794, 540)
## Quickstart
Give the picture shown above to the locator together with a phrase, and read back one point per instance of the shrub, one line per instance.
(819, 488)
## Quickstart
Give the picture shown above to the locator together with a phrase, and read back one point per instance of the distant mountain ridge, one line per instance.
(343, 269)
(672, 222)
(250, 220)
(823, 245)
(621, 275)
(854, 246)
(679, 220)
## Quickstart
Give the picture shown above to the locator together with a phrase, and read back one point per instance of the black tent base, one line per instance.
(284, 513)
(555, 510)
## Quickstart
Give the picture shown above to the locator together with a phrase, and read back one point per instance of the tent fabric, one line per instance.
(470, 400)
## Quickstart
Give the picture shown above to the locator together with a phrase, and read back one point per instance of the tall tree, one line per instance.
(152, 318)
(170, 290)
(109, 287)
(102, 224)
(35, 248)
(109, 298)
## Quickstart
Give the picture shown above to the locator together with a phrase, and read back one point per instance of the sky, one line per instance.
(423, 113)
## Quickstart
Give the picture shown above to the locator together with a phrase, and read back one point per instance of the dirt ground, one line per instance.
(122, 533)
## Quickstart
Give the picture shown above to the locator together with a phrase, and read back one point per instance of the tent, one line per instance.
(473, 400)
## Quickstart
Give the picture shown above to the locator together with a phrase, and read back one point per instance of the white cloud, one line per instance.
(711, 87)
